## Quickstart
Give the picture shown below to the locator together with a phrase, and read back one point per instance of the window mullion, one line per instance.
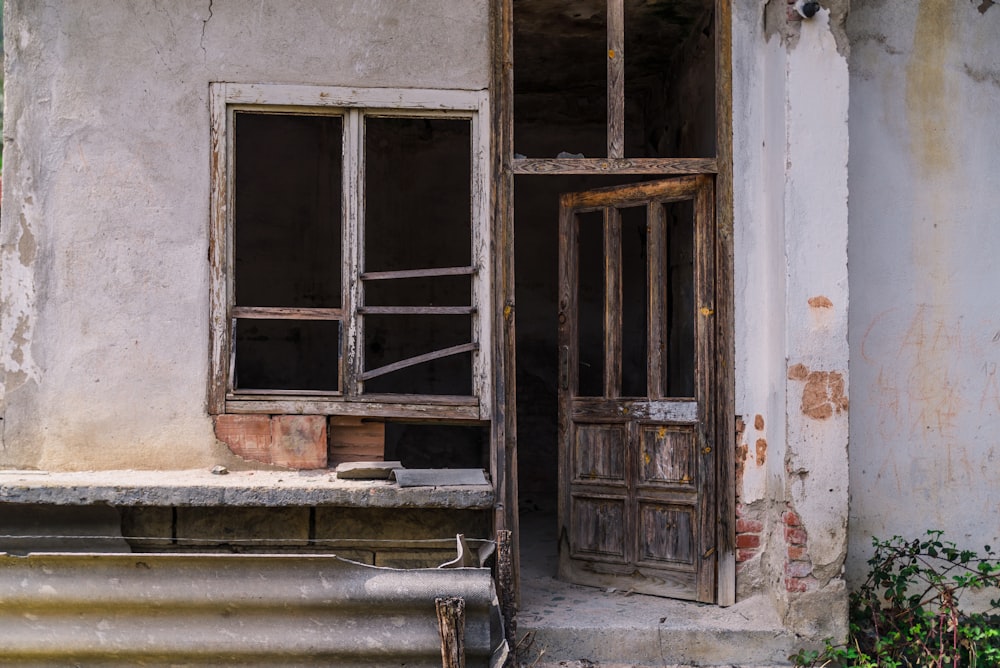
(353, 175)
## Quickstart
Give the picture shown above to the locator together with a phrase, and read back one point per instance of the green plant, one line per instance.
(907, 614)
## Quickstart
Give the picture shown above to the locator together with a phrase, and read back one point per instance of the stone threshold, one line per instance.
(236, 488)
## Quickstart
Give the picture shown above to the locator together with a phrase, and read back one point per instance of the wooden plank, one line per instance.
(656, 290)
(247, 392)
(417, 273)
(419, 359)
(372, 409)
(704, 213)
(612, 302)
(506, 590)
(569, 363)
(483, 245)
(662, 166)
(355, 440)
(667, 411)
(503, 424)
(416, 310)
(616, 78)
(675, 189)
(725, 412)
(451, 627)
(218, 253)
(287, 313)
(353, 244)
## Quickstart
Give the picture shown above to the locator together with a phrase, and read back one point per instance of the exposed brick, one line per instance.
(791, 518)
(749, 526)
(745, 555)
(298, 441)
(795, 585)
(248, 436)
(745, 540)
(797, 553)
(795, 536)
(798, 569)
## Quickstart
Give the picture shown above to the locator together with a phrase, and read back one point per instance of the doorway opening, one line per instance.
(606, 93)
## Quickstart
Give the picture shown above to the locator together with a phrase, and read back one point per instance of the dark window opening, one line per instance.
(287, 234)
(561, 56)
(428, 446)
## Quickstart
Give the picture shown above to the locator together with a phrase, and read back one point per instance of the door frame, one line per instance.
(503, 438)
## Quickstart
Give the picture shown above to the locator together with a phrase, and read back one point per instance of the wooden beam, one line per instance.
(724, 363)
(416, 310)
(503, 434)
(451, 626)
(286, 313)
(616, 78)
(505, 589)
(661, 166)
(419, 359)
(417, 273)
(612, 302)
(658, 273)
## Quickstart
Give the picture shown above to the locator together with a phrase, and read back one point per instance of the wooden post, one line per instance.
(507, 595)
(451, 626)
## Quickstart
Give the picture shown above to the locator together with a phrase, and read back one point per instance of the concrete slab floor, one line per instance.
(561, 624)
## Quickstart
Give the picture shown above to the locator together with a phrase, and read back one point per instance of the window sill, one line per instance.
(238, 488)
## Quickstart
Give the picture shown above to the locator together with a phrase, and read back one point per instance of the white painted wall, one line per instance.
(104, 234)
(924, 242)
(790, 97)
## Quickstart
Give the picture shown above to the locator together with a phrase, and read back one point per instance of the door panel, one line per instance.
(637, 476)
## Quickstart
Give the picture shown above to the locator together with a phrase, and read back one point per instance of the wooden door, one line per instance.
(636, 335)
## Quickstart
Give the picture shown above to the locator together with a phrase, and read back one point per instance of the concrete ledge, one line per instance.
(242, 488)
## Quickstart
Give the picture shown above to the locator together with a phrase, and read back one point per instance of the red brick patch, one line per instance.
(295, 441)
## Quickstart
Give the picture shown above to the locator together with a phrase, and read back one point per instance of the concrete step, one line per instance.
(566, 625)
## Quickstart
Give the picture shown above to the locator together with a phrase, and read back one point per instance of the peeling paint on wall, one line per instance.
(824, 392)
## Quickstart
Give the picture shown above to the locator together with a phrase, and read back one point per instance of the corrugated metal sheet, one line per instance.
(210, 609)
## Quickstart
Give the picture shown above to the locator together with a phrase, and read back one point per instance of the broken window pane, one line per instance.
(680, 310)
(670, 79)
(418, 206)
(590, 303)
(635, 299)
(287, 355)
(560, 79)
(396, 338)
(287, 234)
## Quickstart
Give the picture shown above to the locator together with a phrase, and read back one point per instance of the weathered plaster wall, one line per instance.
(924, 237)
(790, 170)
(103, 240)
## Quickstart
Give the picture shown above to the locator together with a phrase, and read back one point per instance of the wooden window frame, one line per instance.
(353, 105)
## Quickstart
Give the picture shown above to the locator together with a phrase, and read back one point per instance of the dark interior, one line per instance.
(560, 110)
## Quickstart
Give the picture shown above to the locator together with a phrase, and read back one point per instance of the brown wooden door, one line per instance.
(636, 450)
